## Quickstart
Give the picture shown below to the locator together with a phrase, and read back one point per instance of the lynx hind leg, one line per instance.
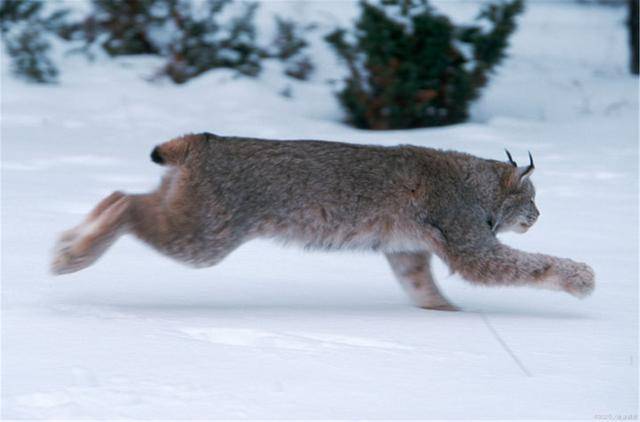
(81, 246)
(73, 233)
(413, 271)
(150, 220)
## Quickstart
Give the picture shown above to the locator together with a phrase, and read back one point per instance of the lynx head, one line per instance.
(517, 212)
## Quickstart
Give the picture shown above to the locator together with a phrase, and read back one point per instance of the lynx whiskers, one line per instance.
(407, 202)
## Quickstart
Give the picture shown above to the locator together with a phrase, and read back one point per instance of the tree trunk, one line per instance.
(633, 35)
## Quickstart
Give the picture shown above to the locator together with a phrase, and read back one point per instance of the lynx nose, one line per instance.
(535, 215)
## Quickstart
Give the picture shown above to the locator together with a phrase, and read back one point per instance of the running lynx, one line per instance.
(407, 202)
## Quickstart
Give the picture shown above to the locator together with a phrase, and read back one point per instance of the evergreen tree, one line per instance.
(194, 37)
(289, 47)
(124, 25)
(25, 30)
(202, 43)
(29, 56)
(412, 67)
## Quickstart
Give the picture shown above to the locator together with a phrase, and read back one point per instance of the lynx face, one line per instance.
(518, 211)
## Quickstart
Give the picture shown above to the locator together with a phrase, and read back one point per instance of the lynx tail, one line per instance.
(174, 152)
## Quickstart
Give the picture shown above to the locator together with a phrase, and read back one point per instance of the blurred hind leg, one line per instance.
(84, 244)
(104, 204)
(170, 231)
(173, 231)
(69, 235)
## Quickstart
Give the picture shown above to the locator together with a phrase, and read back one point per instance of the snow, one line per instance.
(276, 332)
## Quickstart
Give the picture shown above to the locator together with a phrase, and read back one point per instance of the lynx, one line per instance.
(405, 201)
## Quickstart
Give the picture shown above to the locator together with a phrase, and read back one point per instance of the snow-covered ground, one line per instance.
(280, 333)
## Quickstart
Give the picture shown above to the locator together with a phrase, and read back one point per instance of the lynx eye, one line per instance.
(490, 223)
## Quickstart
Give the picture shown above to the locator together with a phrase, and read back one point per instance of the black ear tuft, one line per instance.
(156, 157)
(511, 161)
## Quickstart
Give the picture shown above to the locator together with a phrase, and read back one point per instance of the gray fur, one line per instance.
(404, 201)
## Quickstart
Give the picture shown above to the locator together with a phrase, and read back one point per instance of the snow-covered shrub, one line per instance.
(202, 42)
(120, 27)
(194, 36)
(289, 46)
(412, 67)
(25, 27)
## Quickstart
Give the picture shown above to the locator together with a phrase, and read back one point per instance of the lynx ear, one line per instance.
(524, 172)
(513, 163)
(520, 174)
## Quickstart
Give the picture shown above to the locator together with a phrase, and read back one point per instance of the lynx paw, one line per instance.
(441, 307)
(577, 279)
(83, 245)
(70, 255)
(436, 304)
(429, 299)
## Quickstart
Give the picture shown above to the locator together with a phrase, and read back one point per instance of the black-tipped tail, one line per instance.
(156, 157)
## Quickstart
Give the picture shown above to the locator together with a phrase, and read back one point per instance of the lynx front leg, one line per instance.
(413, 271)
(497, 264)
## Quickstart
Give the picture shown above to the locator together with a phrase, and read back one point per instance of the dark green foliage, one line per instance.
(193, 36)
(289, 46)
(25, 28)
(124, 24)
(28, 51)
(12, 11)
(407, 64)
(202, 43)
(489, 47)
